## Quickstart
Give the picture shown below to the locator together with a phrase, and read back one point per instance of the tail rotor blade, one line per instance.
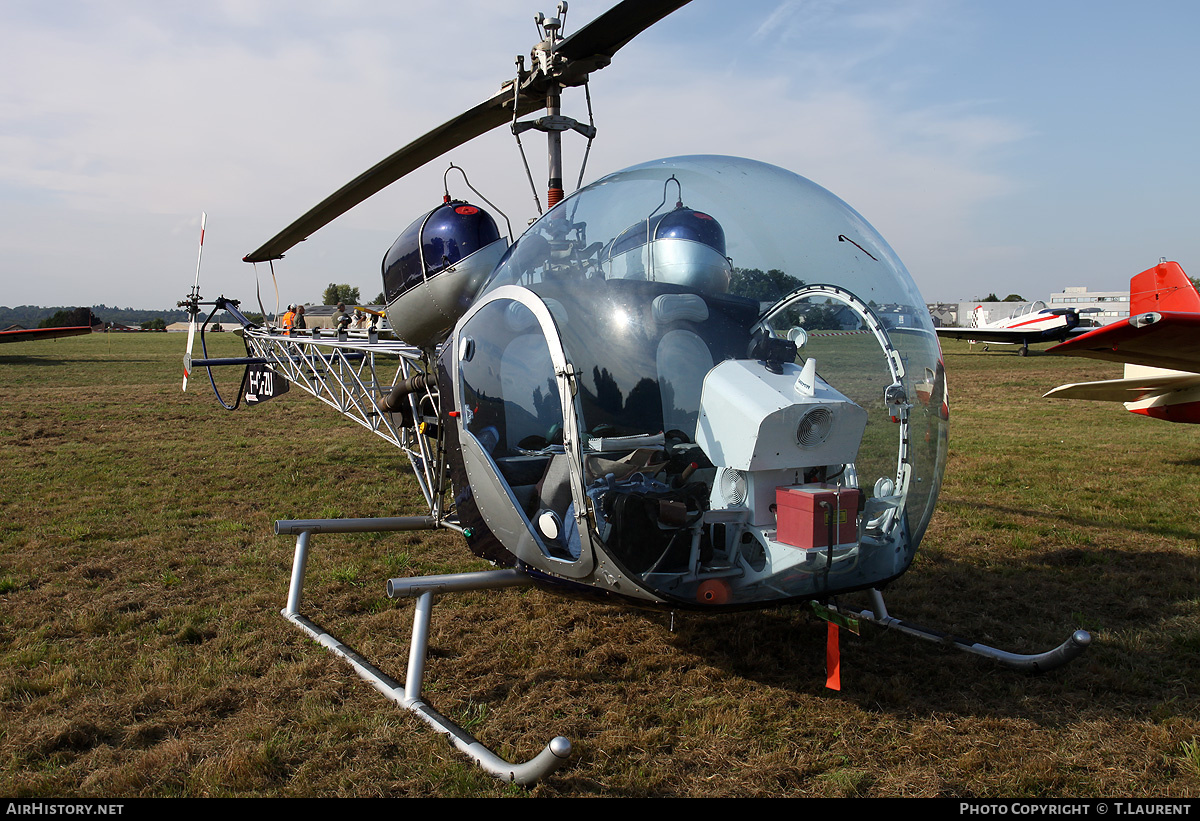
(193, 308)
(187, 357)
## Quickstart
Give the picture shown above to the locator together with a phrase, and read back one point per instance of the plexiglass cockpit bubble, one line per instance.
(703, 381)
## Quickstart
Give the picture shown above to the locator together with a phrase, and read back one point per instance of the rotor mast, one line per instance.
(549, 67)
(554, 185)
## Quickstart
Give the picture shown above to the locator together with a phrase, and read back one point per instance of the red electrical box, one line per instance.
(802, 521)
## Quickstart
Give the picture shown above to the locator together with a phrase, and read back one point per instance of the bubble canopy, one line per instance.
(672, 358)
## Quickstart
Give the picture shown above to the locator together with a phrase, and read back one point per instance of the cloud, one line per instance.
(119, 122)
(811, 95)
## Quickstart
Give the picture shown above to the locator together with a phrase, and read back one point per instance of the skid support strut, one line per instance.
(423, 589)
(1031, 663)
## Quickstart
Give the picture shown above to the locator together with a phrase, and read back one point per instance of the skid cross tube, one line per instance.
(422, 588)
(1028, 663)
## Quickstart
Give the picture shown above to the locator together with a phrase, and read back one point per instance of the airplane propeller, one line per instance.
(558, 63)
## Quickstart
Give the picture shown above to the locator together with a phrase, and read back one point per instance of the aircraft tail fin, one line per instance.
(1165, 287)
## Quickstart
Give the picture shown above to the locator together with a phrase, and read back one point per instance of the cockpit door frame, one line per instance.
(533, 551)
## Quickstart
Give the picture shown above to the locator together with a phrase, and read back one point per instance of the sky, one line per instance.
(1009, 147)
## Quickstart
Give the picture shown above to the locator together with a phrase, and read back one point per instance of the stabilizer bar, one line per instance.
(229, 360)
(257, 360)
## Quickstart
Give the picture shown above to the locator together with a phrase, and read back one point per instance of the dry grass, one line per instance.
(142, 654)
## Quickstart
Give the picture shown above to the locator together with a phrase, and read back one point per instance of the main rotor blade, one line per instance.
(600, 39)
(465, 127)
(615, 27)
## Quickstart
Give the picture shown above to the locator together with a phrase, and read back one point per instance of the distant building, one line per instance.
(892, 316)
(1104, 306)
(183, 327)
(943, 314)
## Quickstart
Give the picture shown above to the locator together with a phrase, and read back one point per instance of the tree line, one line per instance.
(32, 316)
(63, 316)
(346, 295)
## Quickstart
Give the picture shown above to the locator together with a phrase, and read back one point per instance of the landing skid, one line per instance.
(422, 588)
(556, 752)
(1031, 663)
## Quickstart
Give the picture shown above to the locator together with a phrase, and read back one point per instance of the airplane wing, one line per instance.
(1159, 344)
(1016, 336)
(1158, 339)
(1135, 389)
(23, 335)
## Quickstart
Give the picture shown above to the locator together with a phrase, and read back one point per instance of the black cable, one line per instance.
(212, 381)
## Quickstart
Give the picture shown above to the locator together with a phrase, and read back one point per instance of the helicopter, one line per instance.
(676, 390)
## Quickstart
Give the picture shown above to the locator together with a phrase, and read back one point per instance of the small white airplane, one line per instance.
(1159, 344)
(1038, 324)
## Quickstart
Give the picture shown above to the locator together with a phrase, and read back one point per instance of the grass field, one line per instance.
(142, 652)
